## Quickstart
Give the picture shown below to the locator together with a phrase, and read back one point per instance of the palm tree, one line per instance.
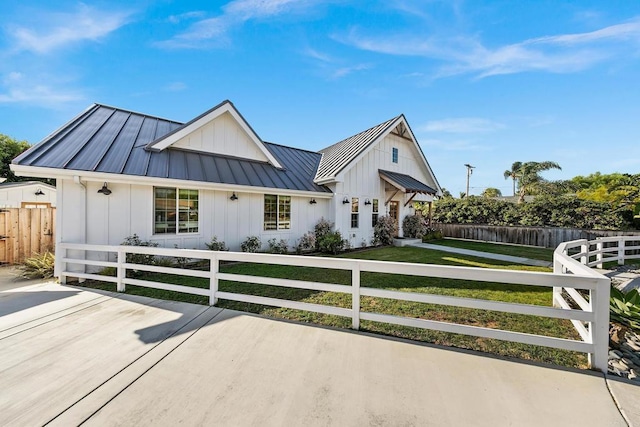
(529, 176)
(514, 174)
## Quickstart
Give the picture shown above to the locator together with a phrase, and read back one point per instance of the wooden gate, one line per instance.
(24, 232)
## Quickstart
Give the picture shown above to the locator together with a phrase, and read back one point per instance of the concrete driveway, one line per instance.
(69, 355)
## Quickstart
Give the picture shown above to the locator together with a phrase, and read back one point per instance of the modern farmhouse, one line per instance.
(120, 172)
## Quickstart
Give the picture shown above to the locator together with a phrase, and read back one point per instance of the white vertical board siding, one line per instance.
(13, 197)
(129, 210)
(224, 136)
(71, 217)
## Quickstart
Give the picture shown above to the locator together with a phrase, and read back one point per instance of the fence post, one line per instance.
(213, 279)
(557, 290)
(584, 248)
(355, 296)
(621, 252)
(121, 270)
(599, 254)
(61, 264)
(599, 328)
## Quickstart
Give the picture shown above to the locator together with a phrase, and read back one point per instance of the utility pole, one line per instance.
(469, 172)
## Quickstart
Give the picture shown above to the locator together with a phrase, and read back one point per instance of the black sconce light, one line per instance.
(39, 192)
(312, 202)
(367, 201)
(345, 200)
(104, 190)
(234, 197)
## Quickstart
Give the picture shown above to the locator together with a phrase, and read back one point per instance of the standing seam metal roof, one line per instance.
(340, 154)
(410, 184)
(111, 140)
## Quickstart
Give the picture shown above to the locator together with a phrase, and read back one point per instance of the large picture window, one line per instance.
(277, 212)
(355, 215)
(175, 211)
(374, 213)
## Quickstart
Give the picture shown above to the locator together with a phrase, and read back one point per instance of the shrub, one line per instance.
(321, 229)
(180, 261)
(143, 259)
(432, 234)
(216, 245)
(306, 243)
(332, 243)
(625, 308)
(38, 266)
(414, 226)
(278, 247)
(252, 244)
(384, 230)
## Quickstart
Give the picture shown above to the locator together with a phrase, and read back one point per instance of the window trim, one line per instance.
(355, 214)
(277, 213)
(177, 210)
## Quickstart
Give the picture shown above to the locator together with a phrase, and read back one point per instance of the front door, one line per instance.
(394, 209)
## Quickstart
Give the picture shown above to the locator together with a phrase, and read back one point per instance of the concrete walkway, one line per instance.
(499, 257)
(69, 355)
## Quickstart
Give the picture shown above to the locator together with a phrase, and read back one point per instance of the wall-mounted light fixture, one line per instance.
(39, 192)
(367, 201)
(345, 200)
(312, 202)
(234, 197)
(104, 190)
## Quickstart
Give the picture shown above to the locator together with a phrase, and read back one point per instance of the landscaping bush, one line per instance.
(143, 259)
(384, 230)
(332, 243)
(216, 245)
(278, 247)
(432, 234)
(306, 243)
(38, 266)
(625, 308)
(252, 244)
(321, 229)
(414, 226)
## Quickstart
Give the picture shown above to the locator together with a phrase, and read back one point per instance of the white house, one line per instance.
(120, 172)
(27, 194)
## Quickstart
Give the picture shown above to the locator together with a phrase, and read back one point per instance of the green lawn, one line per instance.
(543, 254)
(460, 288)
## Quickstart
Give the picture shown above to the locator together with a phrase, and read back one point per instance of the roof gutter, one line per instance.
(40, 172)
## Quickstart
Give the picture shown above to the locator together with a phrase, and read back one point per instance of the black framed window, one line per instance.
(355, 215)
(374, 212)
(277, 212)
(175, 210)
(394, 155)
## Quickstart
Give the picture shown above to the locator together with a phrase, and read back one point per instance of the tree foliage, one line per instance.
(530, 179)
(9, 149)
(491, 192)
(513, 173)
(543, 211)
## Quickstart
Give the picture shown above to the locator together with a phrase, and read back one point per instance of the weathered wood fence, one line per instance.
(25, 231)
(546, 237)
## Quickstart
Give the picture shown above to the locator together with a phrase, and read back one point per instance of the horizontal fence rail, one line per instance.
(570, 277)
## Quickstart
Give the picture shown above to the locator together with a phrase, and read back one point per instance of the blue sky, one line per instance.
(480, 82)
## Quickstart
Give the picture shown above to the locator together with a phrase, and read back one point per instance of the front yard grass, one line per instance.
(460, 288)
(531, 252)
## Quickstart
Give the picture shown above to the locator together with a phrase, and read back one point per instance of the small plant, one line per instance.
(321, 229)
(278, 247)
(164, 262)
(625, 308)
(180, 261)
(217, 245)
(414, 226)
(332, 243)
(144, 259)
(38, 266)
(432, 234)
(306, 243)
(384, 230)
(252, 244)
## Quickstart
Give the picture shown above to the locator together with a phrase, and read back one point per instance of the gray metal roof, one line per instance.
(405, 182)
(340, 154)
(112, 140)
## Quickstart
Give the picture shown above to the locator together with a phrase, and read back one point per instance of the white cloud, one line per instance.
(175, 87)
(18, 88)
(58, 30)
(175, 19)
(213, 31)
(461, 125)
(344, 71)
(563, 53)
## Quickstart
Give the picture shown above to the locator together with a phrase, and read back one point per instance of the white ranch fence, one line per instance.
(589, 316)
